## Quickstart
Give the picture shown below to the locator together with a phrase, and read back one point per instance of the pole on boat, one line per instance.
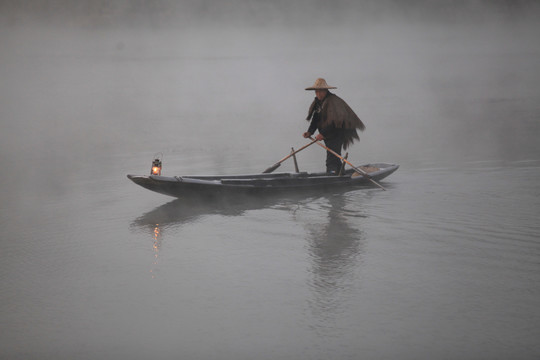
(366, 175)
(276, 165)
(295, 162)
(342, 169)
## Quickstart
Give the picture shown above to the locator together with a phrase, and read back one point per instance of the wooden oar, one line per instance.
(276, 165)
(366, 175)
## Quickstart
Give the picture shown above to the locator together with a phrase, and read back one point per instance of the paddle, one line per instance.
(276, 165)
(366, 175)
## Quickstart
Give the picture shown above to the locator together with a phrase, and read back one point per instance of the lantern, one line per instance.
(156, 165)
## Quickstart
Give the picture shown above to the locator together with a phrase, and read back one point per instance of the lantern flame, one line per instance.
(156, 167)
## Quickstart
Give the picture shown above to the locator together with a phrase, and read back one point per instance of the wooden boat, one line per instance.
(212, 185)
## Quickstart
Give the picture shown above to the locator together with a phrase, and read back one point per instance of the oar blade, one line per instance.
(271, 168)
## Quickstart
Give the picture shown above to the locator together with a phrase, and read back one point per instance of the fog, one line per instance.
(443, 82)
(91, 90)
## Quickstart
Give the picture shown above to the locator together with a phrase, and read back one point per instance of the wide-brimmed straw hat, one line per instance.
(320, 84)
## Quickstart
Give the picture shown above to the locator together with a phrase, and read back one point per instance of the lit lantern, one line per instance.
(156, 166)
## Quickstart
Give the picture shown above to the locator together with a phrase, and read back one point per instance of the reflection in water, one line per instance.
(156, 247)
(189, 209)
(335, 250)
(334, 244)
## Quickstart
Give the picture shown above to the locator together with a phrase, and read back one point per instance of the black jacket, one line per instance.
(333, 117)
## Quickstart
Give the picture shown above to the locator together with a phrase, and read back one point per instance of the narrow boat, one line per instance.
(265, 183)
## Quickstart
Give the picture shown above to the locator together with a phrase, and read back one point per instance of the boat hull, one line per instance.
(253, 184)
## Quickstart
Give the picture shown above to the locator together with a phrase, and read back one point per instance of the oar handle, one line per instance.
(347, 161)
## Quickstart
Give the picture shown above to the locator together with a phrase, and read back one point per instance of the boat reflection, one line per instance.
(334, 235)
(189, 209)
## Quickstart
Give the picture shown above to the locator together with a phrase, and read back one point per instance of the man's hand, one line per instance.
(306, 134)
(319, 137)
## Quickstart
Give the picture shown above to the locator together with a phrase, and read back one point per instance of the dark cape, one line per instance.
(336, 113)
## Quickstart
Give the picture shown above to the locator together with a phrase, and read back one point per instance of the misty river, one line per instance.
(445, 264)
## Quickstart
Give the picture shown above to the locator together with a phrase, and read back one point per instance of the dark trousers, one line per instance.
(333, 163)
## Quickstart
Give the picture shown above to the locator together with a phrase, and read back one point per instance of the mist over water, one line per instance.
(444, 264)
(460, 88)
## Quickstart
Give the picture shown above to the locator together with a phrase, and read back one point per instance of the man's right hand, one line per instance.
(306, 134)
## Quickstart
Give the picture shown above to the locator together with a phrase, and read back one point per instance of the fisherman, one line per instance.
(335, 120)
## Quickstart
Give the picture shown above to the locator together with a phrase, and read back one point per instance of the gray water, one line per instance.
(443, 265)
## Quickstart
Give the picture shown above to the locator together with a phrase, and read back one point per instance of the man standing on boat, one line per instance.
(335, 120)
